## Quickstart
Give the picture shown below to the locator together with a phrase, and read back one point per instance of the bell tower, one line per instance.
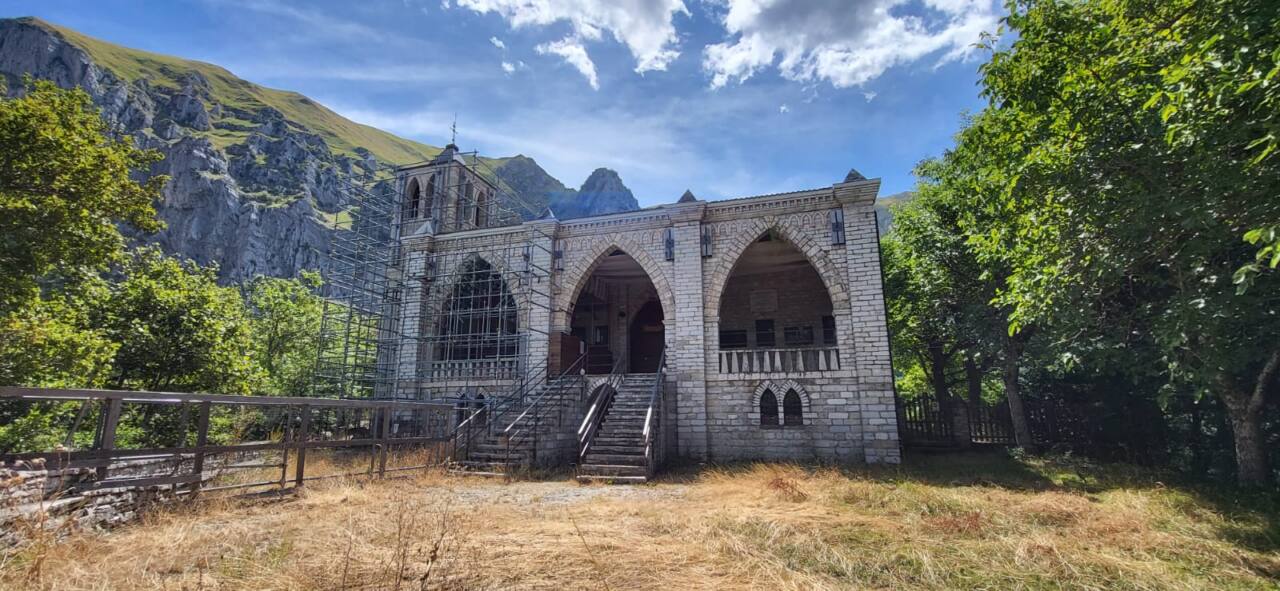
(446, 194)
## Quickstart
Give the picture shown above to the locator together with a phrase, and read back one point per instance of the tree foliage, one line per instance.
(65, 184)
(1124, 178)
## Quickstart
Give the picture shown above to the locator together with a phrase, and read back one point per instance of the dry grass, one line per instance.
(934, 524)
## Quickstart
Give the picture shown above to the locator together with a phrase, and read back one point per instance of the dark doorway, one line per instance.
(647, 338)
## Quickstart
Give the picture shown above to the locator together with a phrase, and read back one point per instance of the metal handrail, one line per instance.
(595, 409)
(496, 407)
(655, 402)
(573, 371)
(554, 391)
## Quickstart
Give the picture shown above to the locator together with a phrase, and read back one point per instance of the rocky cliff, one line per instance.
(257, 173)
(602, 192)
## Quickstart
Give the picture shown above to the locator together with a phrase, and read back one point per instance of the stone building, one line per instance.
(766, 314)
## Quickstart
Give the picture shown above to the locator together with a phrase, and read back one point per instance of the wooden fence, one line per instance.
(923, 422)
(388, 431)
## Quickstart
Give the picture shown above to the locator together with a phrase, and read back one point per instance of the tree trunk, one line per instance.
(1244, 409)
(1013, 392)
(953, 409)
(973, 379)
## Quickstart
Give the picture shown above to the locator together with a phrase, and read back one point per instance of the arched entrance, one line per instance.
(774, 298)
(618, 316)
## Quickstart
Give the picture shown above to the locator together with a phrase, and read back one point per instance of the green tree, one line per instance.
(178, 330)
(286, 315)
(1113, 216)
(65, 184)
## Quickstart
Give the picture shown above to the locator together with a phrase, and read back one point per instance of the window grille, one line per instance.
(798, 336)
(765, 335)
(733, 339)
(706, 241)
(669, 244)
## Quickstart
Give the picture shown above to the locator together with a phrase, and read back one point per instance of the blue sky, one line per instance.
(727, 98)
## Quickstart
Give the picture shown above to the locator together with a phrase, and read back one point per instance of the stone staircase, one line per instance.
(616, 453)
(541, 435)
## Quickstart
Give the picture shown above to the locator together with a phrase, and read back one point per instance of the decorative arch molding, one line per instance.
(442, 291)
(779, 389)
(574, 280)
(827, 270)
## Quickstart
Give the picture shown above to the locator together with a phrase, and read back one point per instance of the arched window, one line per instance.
(465, 202)
(768, 409)
(479, 321)
(430, 198)
(414, 196)
(482, 209)
(792, 409)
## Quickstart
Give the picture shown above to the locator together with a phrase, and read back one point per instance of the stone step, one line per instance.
(584, 478)
(618, 441)
(612, 470)
(614, 459)
(611, 449)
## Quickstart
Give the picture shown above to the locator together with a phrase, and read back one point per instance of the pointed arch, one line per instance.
(573, 280)
(768, 409)
(828, 271)
(781, 387)
(792, 409)
(429, 197)
(413, 197)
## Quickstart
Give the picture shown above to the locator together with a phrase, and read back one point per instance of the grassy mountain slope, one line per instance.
(342, 135)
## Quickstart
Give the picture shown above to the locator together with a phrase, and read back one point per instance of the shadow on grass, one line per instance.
(1250, 518)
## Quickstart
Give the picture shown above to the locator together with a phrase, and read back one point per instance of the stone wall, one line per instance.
(34, 499)
(850, 412)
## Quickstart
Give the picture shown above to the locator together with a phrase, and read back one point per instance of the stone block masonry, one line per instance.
(808, 261)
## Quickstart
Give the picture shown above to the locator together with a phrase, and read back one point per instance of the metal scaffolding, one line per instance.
(413, 313)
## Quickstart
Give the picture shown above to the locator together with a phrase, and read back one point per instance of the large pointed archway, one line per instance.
(618, 316)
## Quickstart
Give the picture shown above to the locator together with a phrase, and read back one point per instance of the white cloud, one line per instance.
(844, 42)
(575, 54)
(508, 67)
(646, 27)
(497, 43)
(784, 109)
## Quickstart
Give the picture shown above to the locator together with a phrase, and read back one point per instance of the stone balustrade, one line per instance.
(794, 360)
(495, 369)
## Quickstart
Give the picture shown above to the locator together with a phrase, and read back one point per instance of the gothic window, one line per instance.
(669, 244)
(706, 241)
(768, 409)
(414, 194)
(792, 409)
(479, 319)
(482, 209)
(430, 198)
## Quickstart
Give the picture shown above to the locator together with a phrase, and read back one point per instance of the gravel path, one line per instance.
(478, 491)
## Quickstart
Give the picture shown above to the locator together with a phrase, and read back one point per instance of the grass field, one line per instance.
(945, 522)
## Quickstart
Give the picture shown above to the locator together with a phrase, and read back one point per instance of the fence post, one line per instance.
(202, 439)
(107, 440)
(300, 437)
(386, 440)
